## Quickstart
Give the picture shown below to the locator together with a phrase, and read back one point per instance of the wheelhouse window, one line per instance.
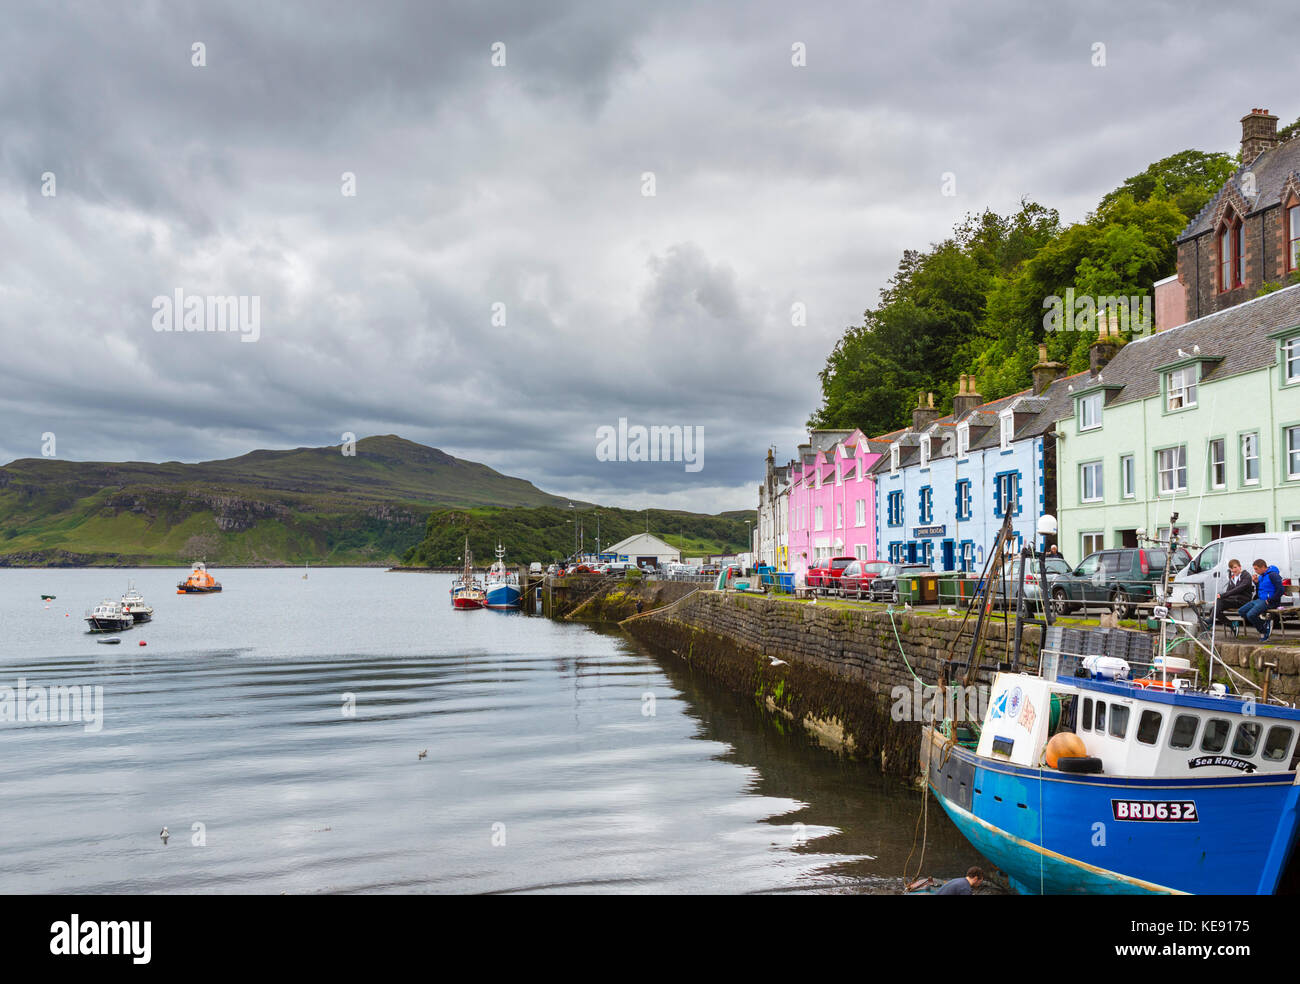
(1183, 733)
(1085, 723)
(1090, 479)
(1218, 464)
(1247, 739)
(1215, 736)
(1250, 459)
(1180, 387)
(1090, 412)
(1118, 721)
(1099, 721)
(1277, 743)
(1149, 727)
(1171, 467)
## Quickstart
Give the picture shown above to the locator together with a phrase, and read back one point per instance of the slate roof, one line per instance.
(1033, 415)
(1238, 335)
(1271, 169)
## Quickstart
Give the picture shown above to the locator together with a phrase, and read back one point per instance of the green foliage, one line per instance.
(976, 301)
(547, 534)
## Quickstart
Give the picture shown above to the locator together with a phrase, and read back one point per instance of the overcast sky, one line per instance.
(521, 185)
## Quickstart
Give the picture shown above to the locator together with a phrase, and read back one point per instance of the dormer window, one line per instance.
(1006, 428)
(1090, 412)
(1181, 388)
(1232, 255)
(925, 450)
(893, 459)
(963, 439)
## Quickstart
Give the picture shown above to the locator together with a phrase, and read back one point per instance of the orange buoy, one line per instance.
(1065, 744)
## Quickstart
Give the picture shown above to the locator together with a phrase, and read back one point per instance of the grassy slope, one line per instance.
(287, 506)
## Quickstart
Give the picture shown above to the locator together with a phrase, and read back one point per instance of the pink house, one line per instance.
(832, 510)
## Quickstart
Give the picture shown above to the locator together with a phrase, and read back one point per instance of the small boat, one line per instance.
(133, 603)
(502, 585)
(304, 570)
(467, 591)
(109, 642)
(109, 616)
(47, 597)
(199, 581)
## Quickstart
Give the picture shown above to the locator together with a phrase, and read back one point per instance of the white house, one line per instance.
(645, 549)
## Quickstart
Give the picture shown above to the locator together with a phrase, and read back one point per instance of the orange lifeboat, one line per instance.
(199, 582)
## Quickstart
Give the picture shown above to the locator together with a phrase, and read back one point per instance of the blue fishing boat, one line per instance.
(1167, 788)
(502, 588)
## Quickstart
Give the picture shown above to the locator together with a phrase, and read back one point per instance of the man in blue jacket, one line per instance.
(1268, 594)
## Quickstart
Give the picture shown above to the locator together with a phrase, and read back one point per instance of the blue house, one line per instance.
(946, 483)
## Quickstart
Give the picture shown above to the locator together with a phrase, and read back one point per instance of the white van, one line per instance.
(1209, 569)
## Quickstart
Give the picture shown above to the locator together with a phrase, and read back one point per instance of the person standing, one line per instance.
(1268, 594)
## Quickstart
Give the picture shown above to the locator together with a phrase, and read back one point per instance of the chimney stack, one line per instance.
(1258, 134)
(966, 399)
(1107, 344)
(1045, 373)
(925, 413)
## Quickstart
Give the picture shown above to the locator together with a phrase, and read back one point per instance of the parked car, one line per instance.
(826, 578)
(884, 586)
(857, 577)
(1116, 578)
(1011, 574)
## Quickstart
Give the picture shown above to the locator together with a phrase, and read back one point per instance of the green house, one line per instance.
(1202, 419)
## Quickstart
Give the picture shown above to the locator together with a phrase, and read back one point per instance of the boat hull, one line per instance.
(466, 604)
(109, 624)
(503, 596)
(1059, 833)
(191, 589)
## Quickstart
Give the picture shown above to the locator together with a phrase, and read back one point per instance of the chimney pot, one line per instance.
(1258, 134)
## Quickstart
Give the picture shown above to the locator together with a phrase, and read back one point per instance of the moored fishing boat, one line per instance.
(199, 581)
(135, 605)
(467, 591)
(109, 616)
(1110, 769)
(502, 591)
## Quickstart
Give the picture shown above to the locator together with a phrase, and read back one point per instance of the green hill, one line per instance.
(547, 533)
(262, 508)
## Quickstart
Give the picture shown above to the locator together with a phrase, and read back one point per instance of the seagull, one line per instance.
(1183, 355)
(778, 662)
(164, 834)
(1196, 349)
(424, 753)
(953, 611)
(907, 606)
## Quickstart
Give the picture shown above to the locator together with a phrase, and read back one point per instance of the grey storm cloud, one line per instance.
(517, 190)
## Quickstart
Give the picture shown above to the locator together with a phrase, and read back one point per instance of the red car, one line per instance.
(824, 579)
(856, 579)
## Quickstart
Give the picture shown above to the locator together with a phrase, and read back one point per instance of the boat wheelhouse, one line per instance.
(1181, 789)
(199, 581)
(109, 616)
(134, 603)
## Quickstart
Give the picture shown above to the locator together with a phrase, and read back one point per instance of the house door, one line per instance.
(949, 552)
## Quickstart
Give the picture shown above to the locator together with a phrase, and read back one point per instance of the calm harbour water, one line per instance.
(544, 772)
